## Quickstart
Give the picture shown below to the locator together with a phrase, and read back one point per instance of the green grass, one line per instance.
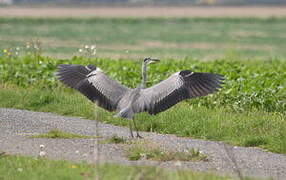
(203, 38)
(152, 151)
(19, 167)
(58, 134)
(246, 128)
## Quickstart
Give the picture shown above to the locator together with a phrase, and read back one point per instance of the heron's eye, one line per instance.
(146, 59)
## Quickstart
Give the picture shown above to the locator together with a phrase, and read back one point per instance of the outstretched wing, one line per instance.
(181, 85)
(93, 83)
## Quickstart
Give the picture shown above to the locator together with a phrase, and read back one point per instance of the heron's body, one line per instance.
(128, 105)
(92, 82)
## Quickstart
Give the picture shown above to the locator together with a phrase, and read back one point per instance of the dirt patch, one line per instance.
(144, 12)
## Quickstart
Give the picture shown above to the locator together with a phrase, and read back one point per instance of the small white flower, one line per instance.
(20, 169)
(92, 47)
(94, 52)
(186, 151)
(84, 155)
(42, 146)
(80, 50)
(178, 163)
(77, 152)
(143, 156)
(17, 48)
(201, 152)
(86, 46)
(42, 154)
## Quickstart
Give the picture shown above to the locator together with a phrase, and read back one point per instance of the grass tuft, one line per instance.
(58, 134)
(151, 151)
(115, 140)
(255, 142)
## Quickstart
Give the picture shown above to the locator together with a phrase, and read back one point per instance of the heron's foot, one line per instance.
(138, 136)
(131, 135)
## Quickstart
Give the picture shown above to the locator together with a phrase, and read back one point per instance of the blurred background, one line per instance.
(146, 2)
(200, 29)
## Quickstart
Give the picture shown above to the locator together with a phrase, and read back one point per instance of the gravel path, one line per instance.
(17, 125)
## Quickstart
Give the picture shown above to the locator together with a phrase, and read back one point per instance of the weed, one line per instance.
(58, 134)
(88, 51)
(148, 150)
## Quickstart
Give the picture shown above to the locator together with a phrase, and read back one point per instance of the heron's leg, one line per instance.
(137, 133)
(130, 128)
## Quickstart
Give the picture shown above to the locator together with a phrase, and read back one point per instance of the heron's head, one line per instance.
(150, 60)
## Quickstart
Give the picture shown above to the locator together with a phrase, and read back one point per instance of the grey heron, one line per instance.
(107, 93)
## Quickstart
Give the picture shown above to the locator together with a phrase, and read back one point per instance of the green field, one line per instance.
(200, 38)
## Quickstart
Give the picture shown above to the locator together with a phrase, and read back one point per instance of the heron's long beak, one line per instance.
(154, 60)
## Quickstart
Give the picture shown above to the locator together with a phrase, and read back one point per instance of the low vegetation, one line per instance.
(249, 85)
(150, 151)
(58, 134)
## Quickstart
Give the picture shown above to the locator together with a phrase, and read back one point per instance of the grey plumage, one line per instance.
(92, 83)
(112, 96)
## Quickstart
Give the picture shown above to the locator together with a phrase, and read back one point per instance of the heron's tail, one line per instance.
(126, 113)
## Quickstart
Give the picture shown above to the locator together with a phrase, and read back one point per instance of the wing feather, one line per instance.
(93, 83)
(179, 86)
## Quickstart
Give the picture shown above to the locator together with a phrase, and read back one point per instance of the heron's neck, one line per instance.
(144, 75)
